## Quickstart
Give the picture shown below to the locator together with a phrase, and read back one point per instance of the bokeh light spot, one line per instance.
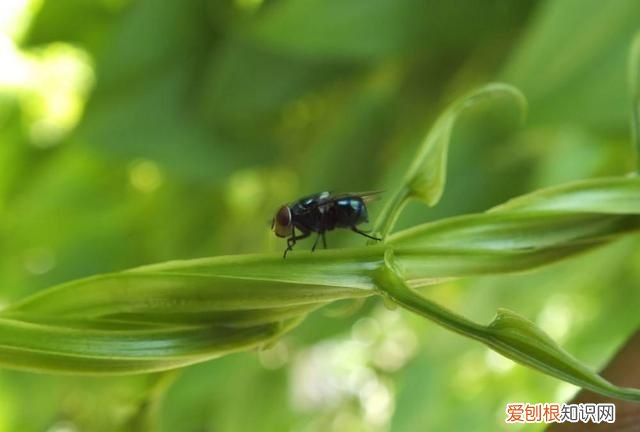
(498, 363)
(245, 191)
(63, 426)
(248, 5)
(556, 317)
(274, 357)
(39, 261)
(145, 176)
(15, 15)
(52, 84)
(565, 392)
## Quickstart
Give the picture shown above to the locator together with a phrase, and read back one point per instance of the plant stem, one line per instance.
(394, 287)
(509, 334)
(391, 211)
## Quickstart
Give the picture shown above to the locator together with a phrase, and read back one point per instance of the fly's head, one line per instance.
(282, 223)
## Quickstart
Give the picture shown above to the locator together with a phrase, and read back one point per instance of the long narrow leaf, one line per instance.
(173, 314)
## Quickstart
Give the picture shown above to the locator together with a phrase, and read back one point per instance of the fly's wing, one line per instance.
(309, 203)
(316, 197)
(322, 200)
(367, 197)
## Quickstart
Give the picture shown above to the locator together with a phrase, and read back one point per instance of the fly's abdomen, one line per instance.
(350, 212)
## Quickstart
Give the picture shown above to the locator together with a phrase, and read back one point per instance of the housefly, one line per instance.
(320, 213)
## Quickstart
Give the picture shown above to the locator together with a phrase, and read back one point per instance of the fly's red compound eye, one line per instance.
(283, 217)
(282, 222)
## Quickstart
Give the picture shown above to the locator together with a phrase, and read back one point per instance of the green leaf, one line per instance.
(426, 176)
(521, 340)
(569, 63)
(509, 334)
(145, 103)
(98, 18)
(327, 28)
(176, 291)
(614, 195)
(425, 179)
(171, 314)
(68, 348)
(361, 30)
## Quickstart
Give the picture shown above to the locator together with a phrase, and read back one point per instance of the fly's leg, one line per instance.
(356, 230)
(315, 243)
(291, 241)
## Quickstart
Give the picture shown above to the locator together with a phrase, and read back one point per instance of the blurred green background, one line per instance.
(139, 131)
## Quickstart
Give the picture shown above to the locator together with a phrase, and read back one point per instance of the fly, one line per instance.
(320, 213)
